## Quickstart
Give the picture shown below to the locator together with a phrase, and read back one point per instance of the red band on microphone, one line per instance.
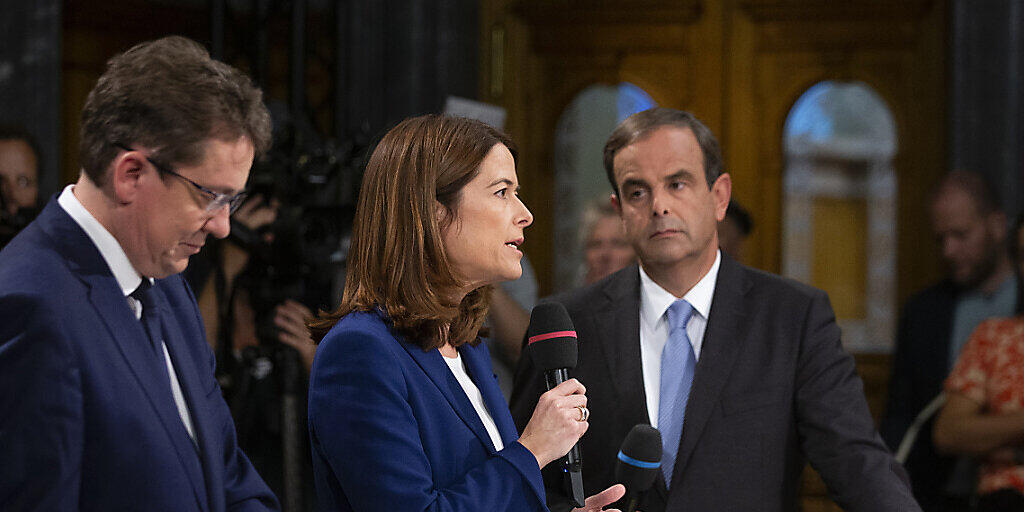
(549, 335)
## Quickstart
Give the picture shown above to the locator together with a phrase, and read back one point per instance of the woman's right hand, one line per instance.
(555, 425)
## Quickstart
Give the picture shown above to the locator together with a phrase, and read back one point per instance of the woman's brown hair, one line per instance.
(397, 260)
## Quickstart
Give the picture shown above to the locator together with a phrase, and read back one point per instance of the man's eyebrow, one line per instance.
(681, 173)
(634, 182)
(226, 190)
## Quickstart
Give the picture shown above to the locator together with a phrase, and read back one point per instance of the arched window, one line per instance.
(839, 209)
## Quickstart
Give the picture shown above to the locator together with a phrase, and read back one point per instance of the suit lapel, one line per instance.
(478, 367)
(128, 334)
(437, 370)
(617, 333)
(618, 319)
(722, 343)
(189, 380)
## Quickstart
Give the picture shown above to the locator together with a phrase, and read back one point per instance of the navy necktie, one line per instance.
(678, 363)
(150, 319)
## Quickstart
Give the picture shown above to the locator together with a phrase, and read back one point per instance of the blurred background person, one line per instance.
(19, 181)
(257, 288)
(734, 230)
(404, 411)
(507, 321)
(984, 412)
(605, 247)
(970, 230)
(223, 280)
(263, 350)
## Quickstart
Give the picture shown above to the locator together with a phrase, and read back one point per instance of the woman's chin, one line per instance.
(509, 275)
(512, 275)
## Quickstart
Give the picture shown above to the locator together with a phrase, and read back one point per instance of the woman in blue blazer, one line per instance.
(405, 413)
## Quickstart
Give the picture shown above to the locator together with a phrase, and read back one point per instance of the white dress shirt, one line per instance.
(458, 369)
(127, 278)
(654, 328)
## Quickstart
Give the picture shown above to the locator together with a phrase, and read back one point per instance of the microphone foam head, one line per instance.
(639, 458)
(551, 337)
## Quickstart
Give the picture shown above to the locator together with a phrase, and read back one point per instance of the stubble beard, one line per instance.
(983, 269)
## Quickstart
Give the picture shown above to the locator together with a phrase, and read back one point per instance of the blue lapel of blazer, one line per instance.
(434, 366)
(107, 298)
(189, 380)
(723, 340)
(478, 365)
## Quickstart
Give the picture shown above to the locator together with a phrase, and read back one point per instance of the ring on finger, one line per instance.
(584, 413)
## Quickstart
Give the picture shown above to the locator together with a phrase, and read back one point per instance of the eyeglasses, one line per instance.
(215, 200)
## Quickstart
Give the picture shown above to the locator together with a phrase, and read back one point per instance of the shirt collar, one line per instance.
(655, 300)
(1005, 291)
(127, 277)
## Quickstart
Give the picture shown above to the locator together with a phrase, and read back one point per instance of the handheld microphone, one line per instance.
(639, 462)
(552, 344)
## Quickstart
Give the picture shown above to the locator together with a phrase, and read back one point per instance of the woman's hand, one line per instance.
(290, 318)
(603, 499)
(556, 422)
(256, 212)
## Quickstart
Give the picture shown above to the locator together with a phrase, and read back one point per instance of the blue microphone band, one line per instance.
(638, 463)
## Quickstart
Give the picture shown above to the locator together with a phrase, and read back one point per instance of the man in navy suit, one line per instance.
(107, 394)
(743, 372)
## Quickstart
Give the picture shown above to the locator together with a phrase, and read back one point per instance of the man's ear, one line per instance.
(721, 192)
(997, 226)
(125, 173)
(614, 198)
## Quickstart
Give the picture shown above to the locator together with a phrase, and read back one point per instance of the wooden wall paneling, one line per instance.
(779, 81)
(740, 137)
(662, 75)
(895, 55)
(776, 58)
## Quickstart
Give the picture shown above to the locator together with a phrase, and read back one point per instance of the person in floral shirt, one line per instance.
(984, 412)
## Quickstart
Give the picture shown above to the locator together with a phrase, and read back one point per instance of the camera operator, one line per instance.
(285, 255)
(253, 334)
(214, 276)
(19, 174)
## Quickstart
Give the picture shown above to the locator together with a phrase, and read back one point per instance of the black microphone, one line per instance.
(639, 462)
(552, 344)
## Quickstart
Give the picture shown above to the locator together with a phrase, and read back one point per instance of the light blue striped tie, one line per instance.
(678, 363)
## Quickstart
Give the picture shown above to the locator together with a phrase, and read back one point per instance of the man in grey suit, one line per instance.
(743, 372)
